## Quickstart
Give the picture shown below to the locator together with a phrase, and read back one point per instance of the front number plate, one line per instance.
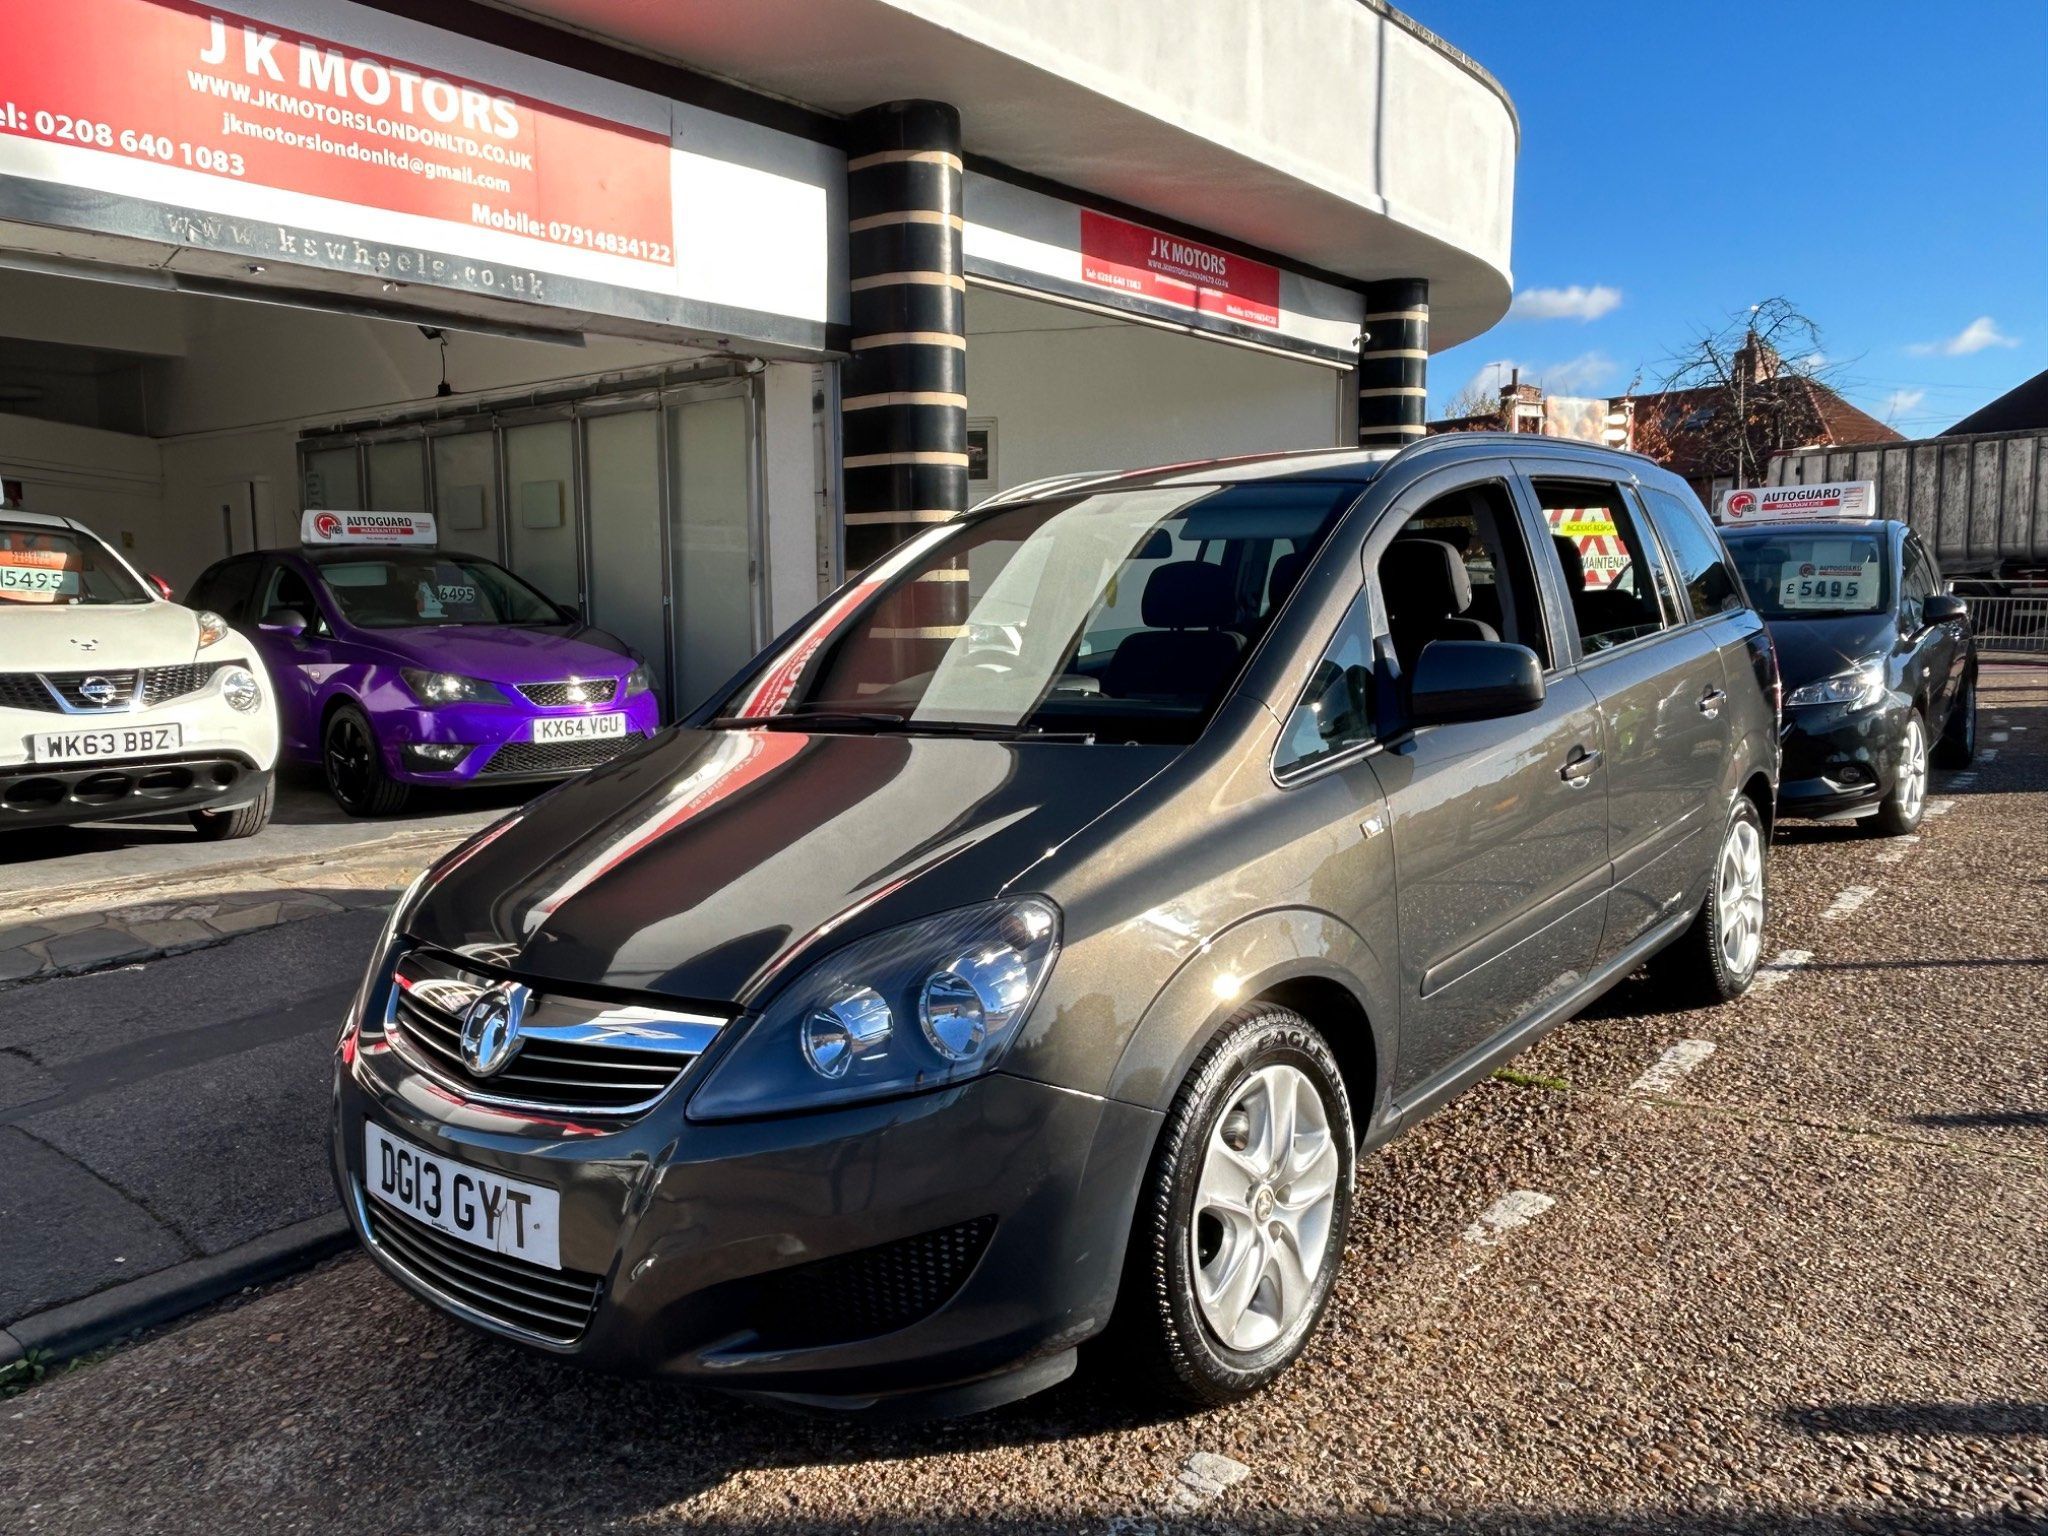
(88, 746)
(578, 727)
(487, 1210)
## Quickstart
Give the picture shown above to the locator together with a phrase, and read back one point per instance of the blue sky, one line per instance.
(1882, 164)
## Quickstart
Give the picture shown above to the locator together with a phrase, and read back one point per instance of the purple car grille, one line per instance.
(569, 694)
(520, 757)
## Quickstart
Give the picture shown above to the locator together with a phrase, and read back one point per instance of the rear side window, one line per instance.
(1610, 574)
(1335, 711)
(225, 589)
(1696, 550)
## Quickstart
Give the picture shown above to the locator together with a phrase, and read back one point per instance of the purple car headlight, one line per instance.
(449, 688)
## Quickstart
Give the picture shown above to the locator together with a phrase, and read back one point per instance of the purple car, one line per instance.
(400, 664)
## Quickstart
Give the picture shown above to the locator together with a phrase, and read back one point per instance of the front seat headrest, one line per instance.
(1424, 577)
(1285, 577)
(1574, 561)
(1188, 595)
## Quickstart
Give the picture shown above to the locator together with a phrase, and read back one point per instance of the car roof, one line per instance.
(328, 553)
(1359, 466)
(27, 519)
(1820, 525)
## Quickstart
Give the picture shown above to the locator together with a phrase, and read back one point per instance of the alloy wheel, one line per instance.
(1263, 1208)
(1912, 781)
(1740, 896)
(349, 762)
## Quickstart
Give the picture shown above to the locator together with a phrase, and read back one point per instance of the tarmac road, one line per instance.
(1797, 1282)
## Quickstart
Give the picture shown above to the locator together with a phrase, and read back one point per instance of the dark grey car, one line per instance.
(1031, 938)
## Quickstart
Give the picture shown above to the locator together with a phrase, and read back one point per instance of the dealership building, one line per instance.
(687, 311)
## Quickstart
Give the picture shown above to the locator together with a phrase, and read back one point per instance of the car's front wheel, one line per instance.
(1905, 803)
(355, 769)
(242, 821)
(1244, 1211)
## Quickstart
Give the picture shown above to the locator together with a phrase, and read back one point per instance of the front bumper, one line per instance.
(1839, 761)
(750, 1256)
(224, 759)
(500, 739)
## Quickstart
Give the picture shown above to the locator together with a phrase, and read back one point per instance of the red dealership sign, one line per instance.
(188, 87)
(1185, 273)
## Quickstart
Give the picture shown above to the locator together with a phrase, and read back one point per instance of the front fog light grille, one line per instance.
(551, 1304)
(571, 1056)
(873, 1291)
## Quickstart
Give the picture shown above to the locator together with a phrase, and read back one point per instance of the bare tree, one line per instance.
(1749, 386)
(1474, 399)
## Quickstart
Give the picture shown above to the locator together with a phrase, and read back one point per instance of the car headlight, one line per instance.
(449, 687)
(370, 991)
(212, 628)
(931, 1003)
(639, 681)
(1859, 688)
(241, 689)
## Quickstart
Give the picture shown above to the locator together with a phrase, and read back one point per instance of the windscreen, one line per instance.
(1812, 575)
(55, 565)
(404, 591)
(1125, 616)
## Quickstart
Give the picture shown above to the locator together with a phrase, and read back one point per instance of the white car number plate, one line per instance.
(487, 1210)
(122, 741)
(578, 727)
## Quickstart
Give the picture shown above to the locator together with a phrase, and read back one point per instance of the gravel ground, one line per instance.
(1801, 1287)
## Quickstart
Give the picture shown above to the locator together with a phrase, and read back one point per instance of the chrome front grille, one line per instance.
(574, 1056)
(162, 684)
(570, 692)
(64, 692)
(89, 692)
(551, 1304)
(24, 690)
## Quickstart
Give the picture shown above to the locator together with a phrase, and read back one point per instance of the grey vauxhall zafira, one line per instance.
(1025, 945)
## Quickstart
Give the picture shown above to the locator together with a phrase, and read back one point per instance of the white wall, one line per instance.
(111, 481)
(1070, 390)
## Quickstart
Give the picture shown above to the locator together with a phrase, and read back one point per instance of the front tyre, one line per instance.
(1715, 960)
(1244, 1211)
(242, 821)
(354, 767)
(1905, 803)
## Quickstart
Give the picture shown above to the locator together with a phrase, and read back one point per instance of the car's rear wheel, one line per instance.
(1715, 960)
(1242, 1220)
(1905, 803)
(242, 821)
(1958, 745)
(355, 769)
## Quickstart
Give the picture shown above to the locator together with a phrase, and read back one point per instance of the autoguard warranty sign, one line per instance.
(1783, 503)
(323, 525)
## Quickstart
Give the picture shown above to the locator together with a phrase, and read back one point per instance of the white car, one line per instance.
(114, 701)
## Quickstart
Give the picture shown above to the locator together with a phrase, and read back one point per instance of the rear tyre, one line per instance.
(1715, 960)
(1905, 803)
(1243, 1214)
(242, 821)
(1958, 745)
(354, 766)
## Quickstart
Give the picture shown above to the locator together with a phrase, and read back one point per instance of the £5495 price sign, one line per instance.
(191, 88)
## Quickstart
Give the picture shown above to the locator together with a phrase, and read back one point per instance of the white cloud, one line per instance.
(1900, 402)
(1588, 373)
(1980, 333)
(1577, 302)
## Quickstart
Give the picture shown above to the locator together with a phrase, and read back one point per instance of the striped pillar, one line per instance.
(1393, 363)
(904, 394)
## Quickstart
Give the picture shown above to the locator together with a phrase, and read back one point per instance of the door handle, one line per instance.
(1710, 703)
(1578, 768)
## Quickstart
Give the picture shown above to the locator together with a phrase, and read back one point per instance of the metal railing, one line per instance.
(2010, 623)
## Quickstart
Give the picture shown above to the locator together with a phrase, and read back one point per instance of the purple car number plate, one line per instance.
(578, 727)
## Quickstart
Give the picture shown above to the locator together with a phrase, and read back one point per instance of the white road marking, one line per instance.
(1961, 781)
(1202, 1478)
(1780, 968)
(2016, 729)
(1940, 807)
(1674, 1064)
(1848, 901)
(1988, 755)
(1517, 1208)
(2002, 735)
(1898, 848)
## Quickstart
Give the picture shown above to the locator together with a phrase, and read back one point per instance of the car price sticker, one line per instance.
(1808, 584)
(37, 575)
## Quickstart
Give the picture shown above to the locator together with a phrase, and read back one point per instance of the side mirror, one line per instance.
(1943, 608)
(288, 622)
(1473, 680)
